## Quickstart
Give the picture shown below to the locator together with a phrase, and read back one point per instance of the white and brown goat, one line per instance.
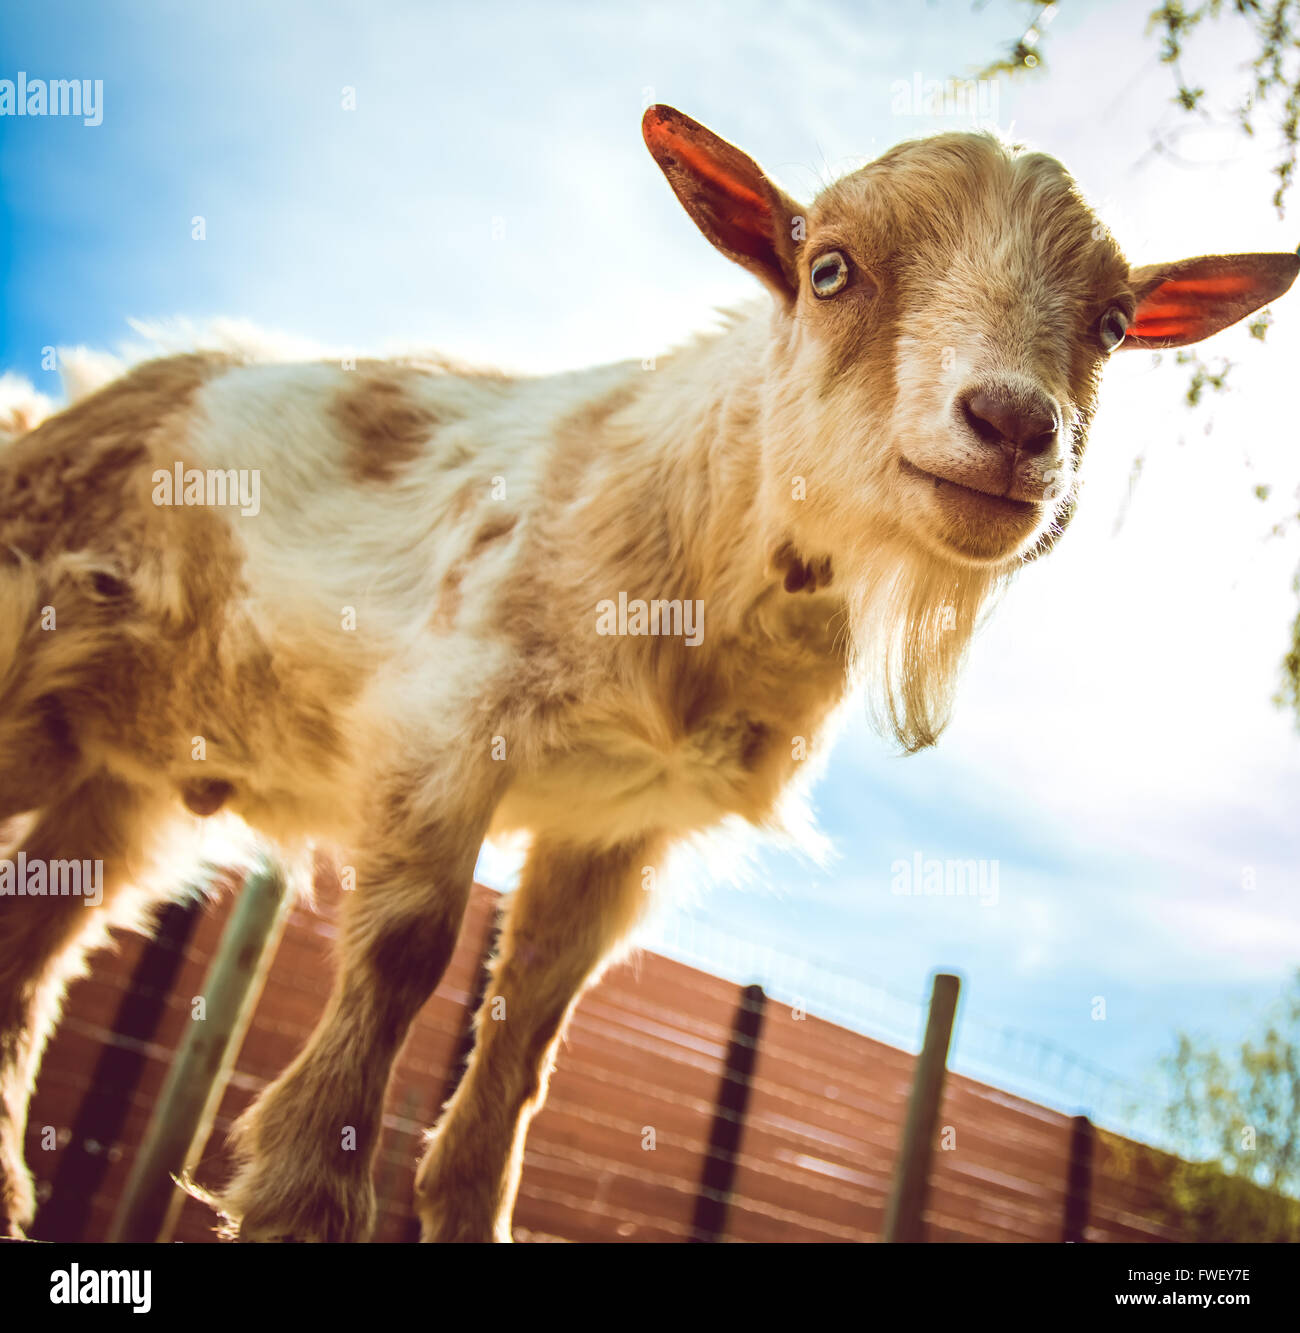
(470, 603)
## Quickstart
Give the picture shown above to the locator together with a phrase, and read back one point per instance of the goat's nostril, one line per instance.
(980, 416)
(1039, 444)
(999, 417)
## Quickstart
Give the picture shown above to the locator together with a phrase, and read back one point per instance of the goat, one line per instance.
(609, 609)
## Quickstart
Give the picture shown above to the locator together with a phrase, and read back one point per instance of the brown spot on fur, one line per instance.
(64, 486)
(385, 424)
(54, 722)
(108, 586)
(450, 595)
(464, 501)
(319, 732)
(492, 531)
(801, 575)
(449, 598)
(753, 742)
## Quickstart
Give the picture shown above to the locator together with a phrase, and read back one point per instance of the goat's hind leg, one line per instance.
(43, 940)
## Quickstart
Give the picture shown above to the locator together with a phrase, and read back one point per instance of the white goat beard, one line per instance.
(910, 621)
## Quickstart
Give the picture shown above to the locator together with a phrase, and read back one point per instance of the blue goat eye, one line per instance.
(829, 273)
(1113, 327)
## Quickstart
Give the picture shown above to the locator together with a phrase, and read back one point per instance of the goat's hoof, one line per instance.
(325, 1219)
(248, 1235)
(304, 1228)
(339, 1211)
(443, 1225)
(17, 1207)
(463, 1235)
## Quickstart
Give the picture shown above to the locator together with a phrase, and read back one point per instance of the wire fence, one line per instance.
(1015, 1060)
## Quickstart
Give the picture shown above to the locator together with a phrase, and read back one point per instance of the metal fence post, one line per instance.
(1078, 1192)
(187, 1105)
(903, 1218)
(713, 1202)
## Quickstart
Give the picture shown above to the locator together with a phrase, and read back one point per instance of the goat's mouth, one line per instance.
(996, 503)
(980, 525)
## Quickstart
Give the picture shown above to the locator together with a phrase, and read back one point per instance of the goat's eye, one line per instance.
(1113, 327)
(829, 273)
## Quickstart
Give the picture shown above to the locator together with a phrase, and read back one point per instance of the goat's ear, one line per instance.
(1190, 299)
(728, 197)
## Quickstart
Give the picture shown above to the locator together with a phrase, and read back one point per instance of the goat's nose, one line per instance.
(1003, 416)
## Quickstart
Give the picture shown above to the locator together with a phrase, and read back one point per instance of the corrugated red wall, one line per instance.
(619, 1150)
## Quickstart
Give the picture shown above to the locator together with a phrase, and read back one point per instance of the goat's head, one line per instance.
(943, 315)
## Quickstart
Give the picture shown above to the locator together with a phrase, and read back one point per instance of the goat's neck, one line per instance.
(686, 475)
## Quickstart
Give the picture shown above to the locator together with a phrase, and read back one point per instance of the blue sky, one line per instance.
(1114, 749)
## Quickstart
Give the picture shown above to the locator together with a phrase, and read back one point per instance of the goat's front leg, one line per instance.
(572, 909)
(307, 1144)
(42, 943)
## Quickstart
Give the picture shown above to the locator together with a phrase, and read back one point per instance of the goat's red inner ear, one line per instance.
(722, 189)
(1194, 298)
(664, 141)
(1187, 307)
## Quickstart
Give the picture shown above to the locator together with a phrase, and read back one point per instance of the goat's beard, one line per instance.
(910, 618)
